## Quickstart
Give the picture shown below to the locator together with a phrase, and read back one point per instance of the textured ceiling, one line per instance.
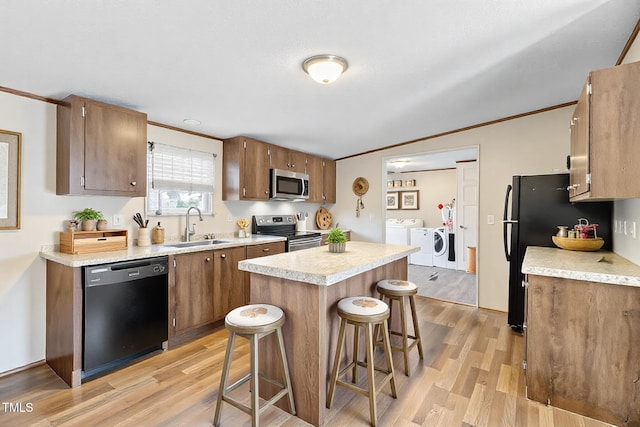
(416, 67)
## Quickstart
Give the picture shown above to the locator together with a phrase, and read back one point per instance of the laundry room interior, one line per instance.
(432, 201)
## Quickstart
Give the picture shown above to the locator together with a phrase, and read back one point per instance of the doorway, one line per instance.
(435, 196)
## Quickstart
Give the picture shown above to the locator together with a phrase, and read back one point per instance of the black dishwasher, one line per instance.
(125, 312)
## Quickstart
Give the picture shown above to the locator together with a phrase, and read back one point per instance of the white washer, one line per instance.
(422, 237)
(440, 247)
(398, 230)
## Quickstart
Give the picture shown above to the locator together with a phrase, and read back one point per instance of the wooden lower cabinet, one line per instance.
(265, 249)
(582, 347)
(229, 287)
(192, 291)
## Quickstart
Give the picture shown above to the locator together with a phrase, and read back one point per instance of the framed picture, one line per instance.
(10, 180)
(389, 184)
(409, 200)
(392, 200)
(410, 183)
(397, 183)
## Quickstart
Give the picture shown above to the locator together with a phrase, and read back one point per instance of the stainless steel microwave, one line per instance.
(288, 185)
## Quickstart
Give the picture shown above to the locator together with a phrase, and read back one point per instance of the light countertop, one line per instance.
(320, 267)
(599, 266)
(138, 252)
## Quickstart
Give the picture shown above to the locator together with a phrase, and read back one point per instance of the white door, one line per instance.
(466, 212)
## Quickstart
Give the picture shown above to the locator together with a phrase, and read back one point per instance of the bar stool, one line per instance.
(398, 290)
(254, 322)
(365, 312)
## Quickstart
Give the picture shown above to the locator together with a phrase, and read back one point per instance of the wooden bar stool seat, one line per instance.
(363, 312)
(254, 322)
(398, 290)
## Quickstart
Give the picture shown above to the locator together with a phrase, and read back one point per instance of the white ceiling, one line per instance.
(416, 67)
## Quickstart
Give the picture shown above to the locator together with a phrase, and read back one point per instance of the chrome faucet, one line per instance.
(190, 232)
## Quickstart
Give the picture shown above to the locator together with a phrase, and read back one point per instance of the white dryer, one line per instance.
(440, 247)
(398, 230)
(422, 237)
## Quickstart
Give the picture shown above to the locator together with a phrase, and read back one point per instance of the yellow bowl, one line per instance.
(578, 244)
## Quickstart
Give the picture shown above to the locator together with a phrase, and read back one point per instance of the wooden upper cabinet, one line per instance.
(579, 159)
(101, 149)
(284, 158)
(245, 164)
(329, 180)
(604, 136)
(315, 171)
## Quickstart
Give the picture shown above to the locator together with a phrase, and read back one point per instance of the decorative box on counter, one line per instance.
(86, 242)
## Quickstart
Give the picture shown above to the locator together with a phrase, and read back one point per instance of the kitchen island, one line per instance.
(582, 346)
(307, 285)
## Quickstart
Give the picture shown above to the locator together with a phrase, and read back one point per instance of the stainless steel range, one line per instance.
(285, 225)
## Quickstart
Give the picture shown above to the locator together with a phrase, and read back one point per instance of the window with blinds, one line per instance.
(178, 178)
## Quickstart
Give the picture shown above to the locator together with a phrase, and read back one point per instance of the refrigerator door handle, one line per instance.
(505, 222)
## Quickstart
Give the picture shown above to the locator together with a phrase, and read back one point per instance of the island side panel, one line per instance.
(302, 331)
(64, 322)
(311, 331)
(583, 347)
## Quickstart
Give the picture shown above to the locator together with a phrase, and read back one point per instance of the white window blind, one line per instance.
(181, 169)
(178, 178)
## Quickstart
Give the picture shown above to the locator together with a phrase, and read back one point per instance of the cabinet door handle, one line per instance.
(265, 250)
(573, 187)
(133, 183)
(207, 259)
(223, 256)
(266, 192)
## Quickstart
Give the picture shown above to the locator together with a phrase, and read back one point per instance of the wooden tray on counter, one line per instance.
(87, 242)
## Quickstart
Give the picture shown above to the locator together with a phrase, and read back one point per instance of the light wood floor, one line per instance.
(444, 283)
(471, 376)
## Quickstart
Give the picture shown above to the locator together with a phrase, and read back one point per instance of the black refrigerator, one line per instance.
(539, 204)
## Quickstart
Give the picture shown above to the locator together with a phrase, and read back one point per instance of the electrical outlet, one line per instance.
(117, 220)
(491, 220)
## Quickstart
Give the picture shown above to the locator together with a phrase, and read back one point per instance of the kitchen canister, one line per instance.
(144, 236)
(158, 234)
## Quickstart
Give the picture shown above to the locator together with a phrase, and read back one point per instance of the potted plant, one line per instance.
(88, 218)
(337, 240)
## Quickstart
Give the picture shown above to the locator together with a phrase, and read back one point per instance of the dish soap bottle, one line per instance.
(158, 234)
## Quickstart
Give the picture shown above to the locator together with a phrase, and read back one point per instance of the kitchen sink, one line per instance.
(196, 243)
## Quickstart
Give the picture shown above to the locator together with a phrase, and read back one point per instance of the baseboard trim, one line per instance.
(22, 368)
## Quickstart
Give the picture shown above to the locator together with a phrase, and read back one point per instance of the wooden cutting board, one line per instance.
(323, 219)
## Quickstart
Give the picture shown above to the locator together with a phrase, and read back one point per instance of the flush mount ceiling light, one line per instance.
(325, 69)
(191, 122)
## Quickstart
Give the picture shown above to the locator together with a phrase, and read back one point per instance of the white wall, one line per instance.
(435, 187)
(23, 272)
(535, 144)
(628, 210)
